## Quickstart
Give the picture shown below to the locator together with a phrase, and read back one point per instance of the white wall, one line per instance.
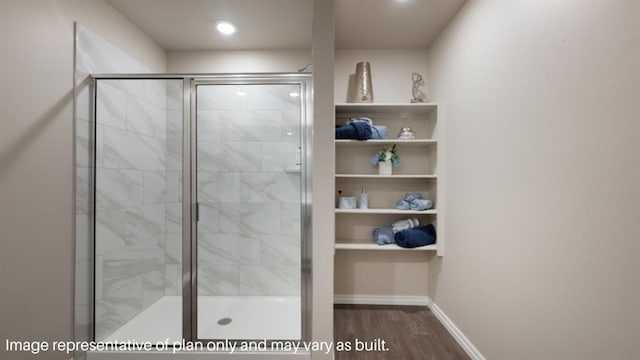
(234, 61)
(540, 102)
(390, 72)
(36, 159)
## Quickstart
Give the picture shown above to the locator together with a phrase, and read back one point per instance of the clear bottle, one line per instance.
(364, 199)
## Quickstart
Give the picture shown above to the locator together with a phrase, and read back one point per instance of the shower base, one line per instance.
(251, 317)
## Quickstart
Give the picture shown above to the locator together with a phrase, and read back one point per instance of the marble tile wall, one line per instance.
(136, 183)
(92, 55)
(248, 190)
(173, 194)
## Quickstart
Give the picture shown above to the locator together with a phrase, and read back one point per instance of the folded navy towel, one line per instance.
(354, 131)
(346, 132)
(420, 236)
(383, 235)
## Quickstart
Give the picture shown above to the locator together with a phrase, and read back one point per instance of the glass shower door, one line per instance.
(249, 195)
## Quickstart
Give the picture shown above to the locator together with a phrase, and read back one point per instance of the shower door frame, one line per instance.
(304, 82)
(189, 186)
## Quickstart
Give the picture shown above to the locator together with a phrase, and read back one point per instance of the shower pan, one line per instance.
(201, 207)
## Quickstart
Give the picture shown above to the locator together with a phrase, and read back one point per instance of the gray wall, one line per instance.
(36, 158)
(233, 61)
(323, 221)
(542, 238)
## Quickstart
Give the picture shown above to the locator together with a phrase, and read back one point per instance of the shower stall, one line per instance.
(201, 207)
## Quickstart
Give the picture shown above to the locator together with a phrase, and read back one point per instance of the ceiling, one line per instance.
(188, 24)
(371, 24)
(286, 24)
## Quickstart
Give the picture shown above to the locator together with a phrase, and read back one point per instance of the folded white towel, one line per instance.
(405, 224)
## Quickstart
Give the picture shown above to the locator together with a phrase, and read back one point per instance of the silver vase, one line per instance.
(364, 87)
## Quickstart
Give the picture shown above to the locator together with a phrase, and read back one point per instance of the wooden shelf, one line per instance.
(386, 211)
(386, 107)
(387, 141)
(375, 247)
(375, 176)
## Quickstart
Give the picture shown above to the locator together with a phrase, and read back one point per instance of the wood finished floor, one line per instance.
(410, 333)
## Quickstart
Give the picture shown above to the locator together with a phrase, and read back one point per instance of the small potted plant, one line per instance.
(386, 159)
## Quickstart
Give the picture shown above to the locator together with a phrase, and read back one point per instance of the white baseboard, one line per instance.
(460, 338)
(381, 300)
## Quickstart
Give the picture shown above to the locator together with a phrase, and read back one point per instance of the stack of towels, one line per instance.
(414, 201)
(405, 233)
(361, 128)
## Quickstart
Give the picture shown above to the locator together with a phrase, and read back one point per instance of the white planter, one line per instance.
(384, 167)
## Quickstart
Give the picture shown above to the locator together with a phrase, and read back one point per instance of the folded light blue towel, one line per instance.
(421, 204)
(360, 119)
(403, 205)
(383, 235)
(412, 196)
(420, 236)
(379, 132)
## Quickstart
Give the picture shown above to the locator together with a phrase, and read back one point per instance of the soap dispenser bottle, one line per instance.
(364, 200)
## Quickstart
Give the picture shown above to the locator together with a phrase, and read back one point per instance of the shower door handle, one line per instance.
(197, 211)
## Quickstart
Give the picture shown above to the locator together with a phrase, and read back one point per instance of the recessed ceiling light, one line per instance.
(226, 27)
(241, 93)
(294, 94)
